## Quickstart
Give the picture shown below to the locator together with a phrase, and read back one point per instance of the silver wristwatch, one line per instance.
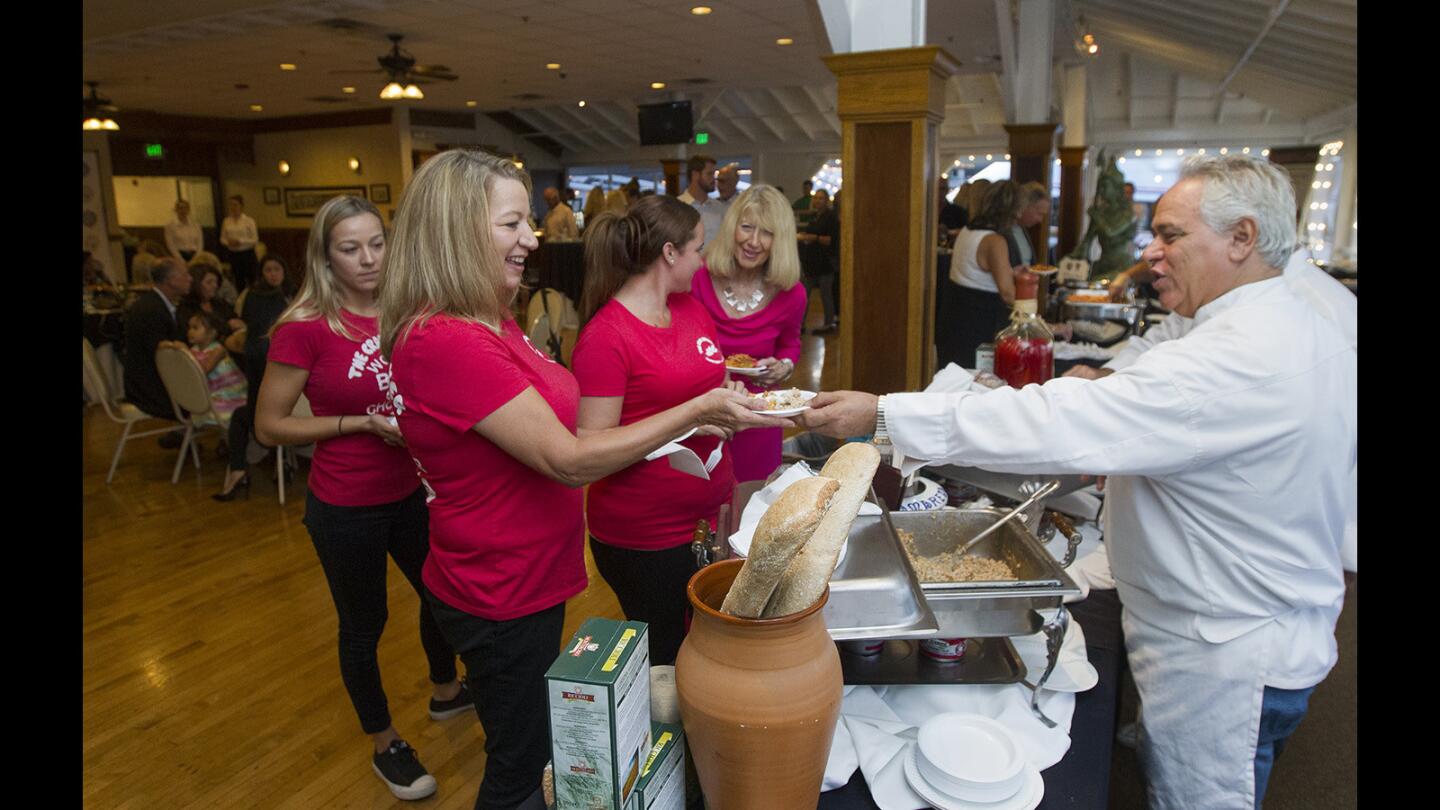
(882, 432)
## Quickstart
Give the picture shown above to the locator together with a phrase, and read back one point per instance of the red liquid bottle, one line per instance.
(1025, 350)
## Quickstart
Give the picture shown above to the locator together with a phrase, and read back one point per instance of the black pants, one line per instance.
(972, 317)
(505, 663)
(651, 588)
(243, 265)
(238, 439)
(352, 543)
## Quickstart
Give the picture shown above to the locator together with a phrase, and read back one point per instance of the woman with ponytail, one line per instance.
(490, 422)
(646, 345)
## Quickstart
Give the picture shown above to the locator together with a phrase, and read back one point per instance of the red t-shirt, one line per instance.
(347, 378)
(650, 505)
(505, 541)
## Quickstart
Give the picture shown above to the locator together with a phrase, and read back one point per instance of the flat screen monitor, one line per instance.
(668, 122)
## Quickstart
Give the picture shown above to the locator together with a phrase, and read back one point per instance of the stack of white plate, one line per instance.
(970, 762)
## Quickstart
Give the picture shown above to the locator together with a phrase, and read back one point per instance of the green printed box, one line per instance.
(599, 707)
(662, 779)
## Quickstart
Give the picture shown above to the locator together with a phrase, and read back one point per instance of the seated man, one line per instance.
(150, 320)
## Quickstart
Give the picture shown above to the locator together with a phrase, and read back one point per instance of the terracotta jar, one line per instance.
(758, 698)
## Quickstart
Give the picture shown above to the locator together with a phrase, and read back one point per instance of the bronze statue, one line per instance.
(1112, 221)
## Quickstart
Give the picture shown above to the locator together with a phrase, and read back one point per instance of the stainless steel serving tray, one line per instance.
(874, 592)
(1100, 311)
(987, 609)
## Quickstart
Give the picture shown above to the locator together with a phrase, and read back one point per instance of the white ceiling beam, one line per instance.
(1231, 135)
(545, 129)
(1128, 84)
(824, 107)
(1005, 79)
(1220, 108)
(1337, 119)
(732, 119)
(612, 111)
(584, 133)
(789, 105)
(1175, 100)
(744, 100)
(588, 126)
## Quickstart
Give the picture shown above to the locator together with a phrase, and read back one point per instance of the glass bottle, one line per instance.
(1024, 350)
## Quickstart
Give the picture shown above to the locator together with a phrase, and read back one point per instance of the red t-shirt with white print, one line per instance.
(347, 378)
(650, 505)
(505, 541)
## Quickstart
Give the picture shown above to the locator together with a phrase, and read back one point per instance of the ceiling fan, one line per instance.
(96, 109)
(404, 73)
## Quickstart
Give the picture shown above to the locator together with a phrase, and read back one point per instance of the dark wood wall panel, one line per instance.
(878, 188)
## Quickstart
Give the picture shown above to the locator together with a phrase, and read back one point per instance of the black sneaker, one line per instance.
(402, 772)
(446, 709)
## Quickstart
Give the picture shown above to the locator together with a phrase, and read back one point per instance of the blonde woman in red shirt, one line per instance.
(490, 422)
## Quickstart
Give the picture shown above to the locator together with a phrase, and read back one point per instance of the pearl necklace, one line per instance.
(756, 296)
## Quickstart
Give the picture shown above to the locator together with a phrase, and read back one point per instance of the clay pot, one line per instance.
(758, 698)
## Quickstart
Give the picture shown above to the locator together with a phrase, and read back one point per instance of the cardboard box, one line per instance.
(598, 694)
(662, 779)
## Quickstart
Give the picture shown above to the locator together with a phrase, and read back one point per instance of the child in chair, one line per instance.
(228, 393)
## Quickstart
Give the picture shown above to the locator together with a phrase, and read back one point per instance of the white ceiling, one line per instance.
(1157, 78)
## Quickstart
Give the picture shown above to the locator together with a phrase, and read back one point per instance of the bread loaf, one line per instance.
(782, 530)
(804, 580)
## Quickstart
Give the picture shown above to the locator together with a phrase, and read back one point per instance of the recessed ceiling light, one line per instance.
(701, 11)
(472, 104)
(347, 89)
(286, 66)
(582, 102)
(657, 85)
(784, 41)
(552, 65)
(256, 108)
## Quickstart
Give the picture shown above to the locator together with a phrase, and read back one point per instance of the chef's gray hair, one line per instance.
(1239, 187)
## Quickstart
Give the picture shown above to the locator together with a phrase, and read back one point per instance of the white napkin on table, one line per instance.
(878, 726)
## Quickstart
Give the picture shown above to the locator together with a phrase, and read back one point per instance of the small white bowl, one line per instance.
(970, 757)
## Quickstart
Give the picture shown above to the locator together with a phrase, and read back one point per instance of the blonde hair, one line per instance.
(440, 257)
(205, 258)
(618, 246)
(767, 208)
(320, 295)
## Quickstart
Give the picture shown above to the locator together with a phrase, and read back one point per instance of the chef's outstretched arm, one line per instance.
(841, 414)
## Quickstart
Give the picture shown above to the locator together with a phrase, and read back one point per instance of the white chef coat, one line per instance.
(1229, 450)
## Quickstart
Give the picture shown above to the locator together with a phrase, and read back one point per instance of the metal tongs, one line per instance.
(1044, 490)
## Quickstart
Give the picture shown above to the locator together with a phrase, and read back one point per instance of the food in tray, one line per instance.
(740, 361)
(1088, 297)
(784, 400)
(952, 567)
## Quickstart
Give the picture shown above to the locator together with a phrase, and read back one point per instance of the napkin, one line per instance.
(685, 460)
(760, 501)
(879, 725)
(1082, 351)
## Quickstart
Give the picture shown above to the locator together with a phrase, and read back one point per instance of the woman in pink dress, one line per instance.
(750, 286)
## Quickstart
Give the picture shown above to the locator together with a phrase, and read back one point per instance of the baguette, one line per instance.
(804, 580)
(782, 530)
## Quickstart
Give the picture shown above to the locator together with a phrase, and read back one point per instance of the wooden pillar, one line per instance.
(1032, 147)
(1072, 197)
(890, 105)
(673, 186)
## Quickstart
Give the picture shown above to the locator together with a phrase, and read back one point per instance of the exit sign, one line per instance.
(154, 150)
(702, 138)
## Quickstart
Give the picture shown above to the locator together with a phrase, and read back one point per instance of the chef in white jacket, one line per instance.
(1230, 446)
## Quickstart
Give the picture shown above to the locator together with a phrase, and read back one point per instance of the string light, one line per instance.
(1224, 150)
(1245, 151)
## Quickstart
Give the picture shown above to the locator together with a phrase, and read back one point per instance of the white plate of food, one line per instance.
(743, 365)
(788, 402)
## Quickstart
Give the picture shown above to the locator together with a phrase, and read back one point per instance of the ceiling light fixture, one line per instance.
(1085, 43)
(413, 91)
(354, 164)
(256, 108)
(472, 103)
(347, 89)
(657, 85)
(701, 11)
(284, 167)
(582, 102)
(286, 66)
(552, 66)
(392, 91)
(96, 112)
(784, 41)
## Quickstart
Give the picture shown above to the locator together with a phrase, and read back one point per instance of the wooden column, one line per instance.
(673, 186)
(1072, 197)
(1032, 147)
(890, 105)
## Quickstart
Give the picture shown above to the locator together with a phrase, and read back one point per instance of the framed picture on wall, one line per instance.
(380, 193)
(272, 195)
(306, 201)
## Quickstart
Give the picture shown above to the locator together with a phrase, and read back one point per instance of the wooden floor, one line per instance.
(211, 675)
